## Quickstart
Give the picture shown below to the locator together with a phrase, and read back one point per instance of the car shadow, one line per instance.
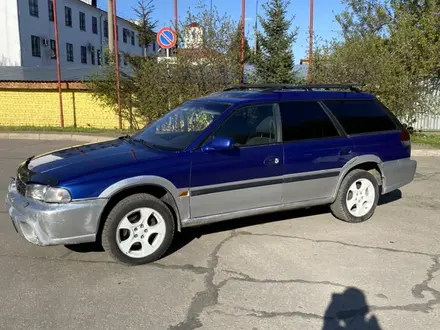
(349, 311)
(391, 197)
(185, 237)
(189, 234)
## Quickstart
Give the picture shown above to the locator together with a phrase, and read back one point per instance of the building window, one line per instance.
(98, 56)
(125, 60)
(106, 29)
(94, 25)
(53, 48)
(33, 8)
(83, 54)
(36, 46)
(154, 46)
(69, 50)
(68, 16)
(92, 55)
(50, 7)
(82, 21)
(117, 32)
(133, 41)
(125, 33)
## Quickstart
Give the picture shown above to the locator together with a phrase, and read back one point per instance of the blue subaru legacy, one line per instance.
(247, 150)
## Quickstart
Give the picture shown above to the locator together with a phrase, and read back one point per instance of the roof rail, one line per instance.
(275, 87)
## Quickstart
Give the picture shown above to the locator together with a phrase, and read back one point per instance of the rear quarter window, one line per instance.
(363, 116)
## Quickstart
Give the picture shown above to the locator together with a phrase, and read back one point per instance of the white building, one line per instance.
(27, 34)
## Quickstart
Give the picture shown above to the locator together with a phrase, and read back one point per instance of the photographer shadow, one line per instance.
(349, 311)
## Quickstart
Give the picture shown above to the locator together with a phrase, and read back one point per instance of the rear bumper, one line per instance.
(397, 173)
(54, 224)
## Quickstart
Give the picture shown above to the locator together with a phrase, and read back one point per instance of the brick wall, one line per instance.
(25, 107)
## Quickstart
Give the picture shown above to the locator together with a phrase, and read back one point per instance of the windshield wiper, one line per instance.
(126, 138)
(145, 143)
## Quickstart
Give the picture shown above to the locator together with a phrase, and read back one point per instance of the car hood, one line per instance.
(69, 163)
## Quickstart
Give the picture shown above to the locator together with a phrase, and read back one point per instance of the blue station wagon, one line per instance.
(247, 150)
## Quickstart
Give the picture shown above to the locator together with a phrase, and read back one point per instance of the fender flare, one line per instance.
(358, 160)
(182, 208)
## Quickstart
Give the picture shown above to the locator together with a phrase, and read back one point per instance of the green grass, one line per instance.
(49, 129)
(432, 140)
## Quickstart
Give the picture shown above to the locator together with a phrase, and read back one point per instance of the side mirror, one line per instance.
(219, 144)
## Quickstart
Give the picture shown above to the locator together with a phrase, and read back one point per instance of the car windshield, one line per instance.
(179, 128)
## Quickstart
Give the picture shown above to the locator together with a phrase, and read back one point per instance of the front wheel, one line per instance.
(138, 230)
(357, 197)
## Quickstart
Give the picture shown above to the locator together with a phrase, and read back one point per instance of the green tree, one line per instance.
(274, 61)
(145, 24)
(157, 84)
(391, 49)
(235, 47)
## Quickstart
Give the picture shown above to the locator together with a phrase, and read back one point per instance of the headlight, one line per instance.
(48, 194)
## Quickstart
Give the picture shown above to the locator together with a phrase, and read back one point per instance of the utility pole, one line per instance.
(175, 16)
(256, 29)
(243, 13)
(57, 54)
(310, 42)
(110, 25)
(116, 46)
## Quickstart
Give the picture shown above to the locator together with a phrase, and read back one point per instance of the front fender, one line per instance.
(182, 203)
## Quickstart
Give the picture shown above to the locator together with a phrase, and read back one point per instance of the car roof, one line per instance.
(277, 93)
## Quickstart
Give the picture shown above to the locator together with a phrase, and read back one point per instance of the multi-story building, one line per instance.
(27, 28)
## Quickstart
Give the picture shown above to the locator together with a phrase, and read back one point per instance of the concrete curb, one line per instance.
(425, 152)
(95, 138)
(55, 137)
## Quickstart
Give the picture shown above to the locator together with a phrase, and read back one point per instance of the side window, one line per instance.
(250, 126)
(364, 116)
(305, 121)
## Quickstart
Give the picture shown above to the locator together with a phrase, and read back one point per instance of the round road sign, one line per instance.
(166, 38)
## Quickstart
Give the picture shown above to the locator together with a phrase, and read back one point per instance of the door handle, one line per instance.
(272, 160)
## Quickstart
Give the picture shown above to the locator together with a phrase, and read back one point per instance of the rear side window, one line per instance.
(365, 116)
(305, 121)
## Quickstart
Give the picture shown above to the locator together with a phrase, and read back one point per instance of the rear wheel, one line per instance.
(357, 197)
(138, 230)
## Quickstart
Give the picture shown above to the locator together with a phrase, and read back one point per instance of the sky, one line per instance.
(324, 16)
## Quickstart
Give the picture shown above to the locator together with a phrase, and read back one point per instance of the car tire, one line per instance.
(357, 197)
(138, 230)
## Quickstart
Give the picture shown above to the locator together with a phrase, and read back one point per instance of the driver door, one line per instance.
(246, 177)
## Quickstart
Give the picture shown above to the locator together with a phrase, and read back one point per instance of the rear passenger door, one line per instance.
(315, 150)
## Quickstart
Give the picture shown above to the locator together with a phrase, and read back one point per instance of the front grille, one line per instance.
(21, 187)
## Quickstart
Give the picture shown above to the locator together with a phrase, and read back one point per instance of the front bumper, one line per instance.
(54, 224)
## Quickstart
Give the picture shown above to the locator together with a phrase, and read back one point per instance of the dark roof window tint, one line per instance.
(305, 121)
(361, 116)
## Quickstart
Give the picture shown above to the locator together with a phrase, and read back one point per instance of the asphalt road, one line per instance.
(295, 270)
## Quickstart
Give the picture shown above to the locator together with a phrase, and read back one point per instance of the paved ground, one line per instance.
(297, 270)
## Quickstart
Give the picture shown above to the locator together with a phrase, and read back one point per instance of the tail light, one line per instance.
(405, 138)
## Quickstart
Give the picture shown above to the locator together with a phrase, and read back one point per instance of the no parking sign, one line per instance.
(166, 38)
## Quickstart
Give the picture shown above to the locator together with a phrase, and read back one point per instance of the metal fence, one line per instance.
(427, 123)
